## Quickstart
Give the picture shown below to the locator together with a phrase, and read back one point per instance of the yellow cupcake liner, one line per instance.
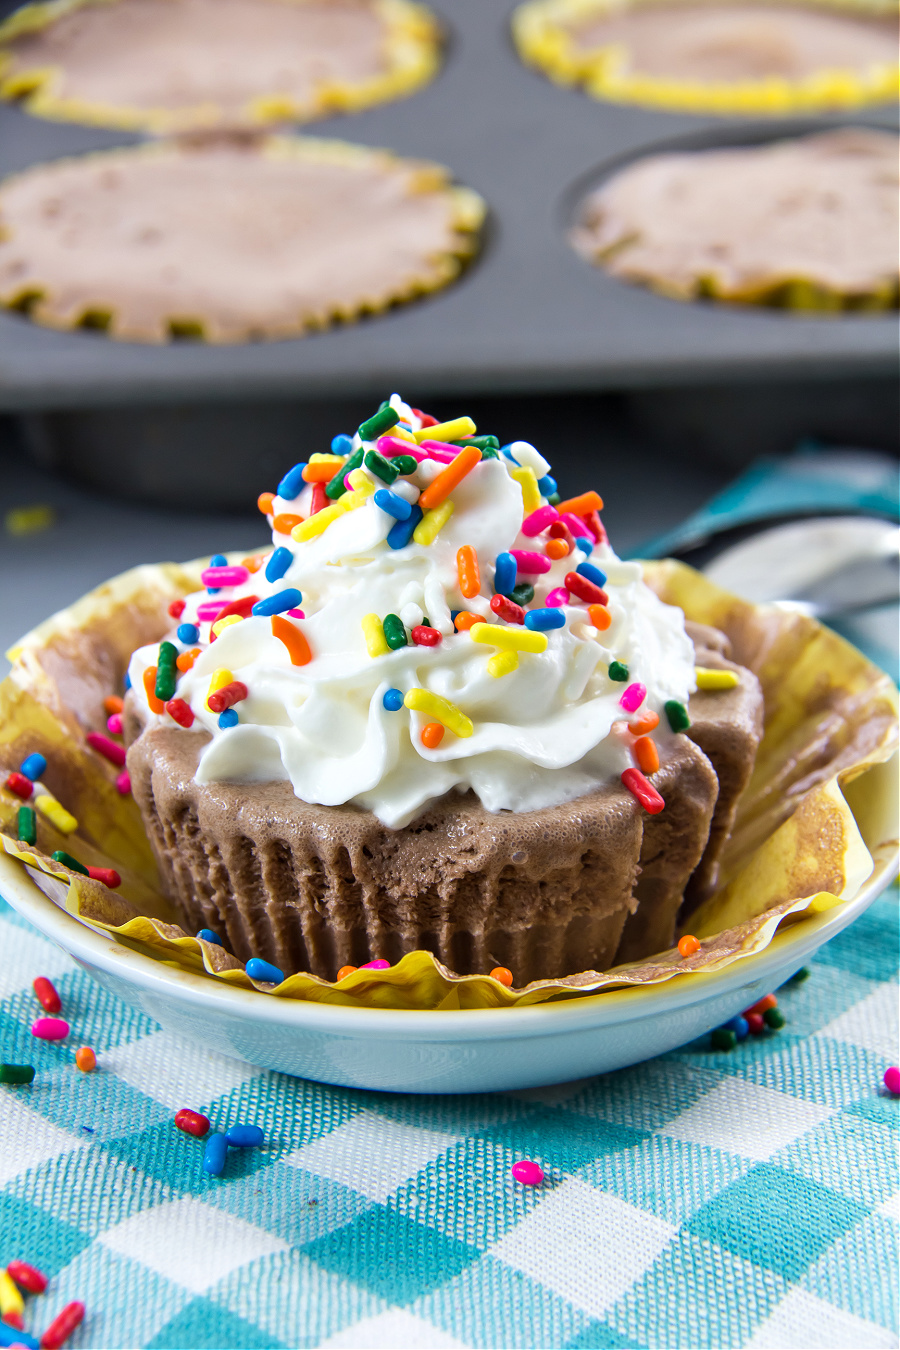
(466, 215)
(542, 32)
(412, 43)
(812, 826)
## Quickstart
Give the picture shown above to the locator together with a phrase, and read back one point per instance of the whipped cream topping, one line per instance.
(553, 728)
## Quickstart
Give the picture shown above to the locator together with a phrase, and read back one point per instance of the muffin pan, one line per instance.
(527, 315)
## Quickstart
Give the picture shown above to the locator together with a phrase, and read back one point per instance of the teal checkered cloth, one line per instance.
(708, 1198)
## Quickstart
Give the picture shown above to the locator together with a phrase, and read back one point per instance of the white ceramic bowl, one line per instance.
(477, 1051)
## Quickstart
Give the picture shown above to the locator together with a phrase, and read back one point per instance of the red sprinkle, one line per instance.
(180, 712)
(14, 1319)
(62, 1326)
(528, 1173)
(123, 783)
(578, 585)
(241, 607)
(507, 609)
(756, 1023)
(644, 791)
(47, 996)
(107, 748)
(595, 525)
(27, 1277)
(425, 418)
(191, 1122)
(20, 785)
(108, 875)
(227, 696)
(176, 608)
(319, 499)
(423, 636)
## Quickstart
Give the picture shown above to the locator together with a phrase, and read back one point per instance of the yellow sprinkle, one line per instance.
(402, 434)
(447, 431)
(10, 1298)
(29, 519)
(318, 524)
(503, 663)
(508, 639)
(360, 480)
(352, 501)
(441, 709)
(431, 524)
(373, 632)
(219, 680)
(229, 619)
(326, 459)
(531, 493)
(715, 679)
(56, 813)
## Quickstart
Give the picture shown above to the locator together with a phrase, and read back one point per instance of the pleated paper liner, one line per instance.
(543, 34)
(411, 46)
(797, 847)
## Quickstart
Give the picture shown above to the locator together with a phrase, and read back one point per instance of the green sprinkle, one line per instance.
(394, 632)
(166, 671)
(490, 453)
(553, 499)
(523, 594)
(677, 714)
(336, 487)
(799, 976)
(383, 468)
(482, 442)
(723, 1039)
(27, 823)
(618, 672)
(405, 464)
(68, 861)
(774, 1019)
(16, 1073)
(376, 426)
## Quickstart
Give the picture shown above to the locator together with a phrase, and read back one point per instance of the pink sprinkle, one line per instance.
(531, 563)
(529, 1173)
(123, 783)
(892, 1080)
(576, 525)
(107, 748)
(539, 520)
(114, 724)
(376, 965)
(224, 576)
(633, 697)
(557, 598)
(296, 614)
(391, 446)
(440, 450)
(50, 1029)
(210, 611)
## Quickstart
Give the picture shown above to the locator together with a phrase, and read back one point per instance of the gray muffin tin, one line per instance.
(528, 315)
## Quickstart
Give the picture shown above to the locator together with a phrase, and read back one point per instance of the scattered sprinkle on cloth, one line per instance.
(745, 1198)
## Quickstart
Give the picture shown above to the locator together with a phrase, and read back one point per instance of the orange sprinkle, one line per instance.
(600, 617)
(253, 564)
(264, 502)
(439, 490)
(86, 1059)
(284, 523)
(346, 970)
(646, 755)
(465, 620)
(581, 506)
(113, 704)
(648, 721)
(321, 471)
(187, 659)
(763, 1005)
(293, 639)
(156, 704)
(688, 945)
(503, 975)
(432, 735)
(468, 571)
(557, 548)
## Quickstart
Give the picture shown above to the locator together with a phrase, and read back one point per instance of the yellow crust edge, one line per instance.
(413, 39)
(467, 211)
(541, 33)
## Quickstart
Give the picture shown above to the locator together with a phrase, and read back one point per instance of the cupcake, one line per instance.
(229, 239)
(438, 713)
(722, 58)
(173, 65)
(809, 223)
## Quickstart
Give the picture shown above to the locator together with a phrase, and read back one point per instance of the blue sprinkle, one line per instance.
(126, 683)
(342, 445)
(504, 573)
(540, 620)
(277, 604)
(740, 1026)
(262, 971)
(292, 484)
(504, 450)
(393, 700)
(546, 485)
(453, 614)
(9, 1336)
(214, 1155)
(187, 633)
(208, 935)
(394, 505)
(33, 766)
(278, 564)
(591, 573)
(244, 1136)
(400, 534)
(584, 544)
(228, 718)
